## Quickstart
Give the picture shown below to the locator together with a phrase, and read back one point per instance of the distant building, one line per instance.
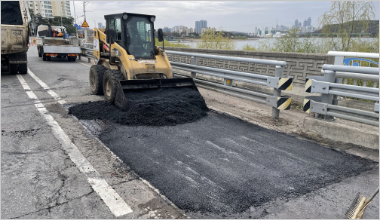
(165, 29)
(309, 21)
(296, 23)
(49, 9)
(199, 25)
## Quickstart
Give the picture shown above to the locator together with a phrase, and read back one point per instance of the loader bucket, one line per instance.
(127, 87)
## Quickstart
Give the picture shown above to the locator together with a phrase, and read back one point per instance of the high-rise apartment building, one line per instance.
(296, 23)
(309, 21)
(49, 9)
(199, 25)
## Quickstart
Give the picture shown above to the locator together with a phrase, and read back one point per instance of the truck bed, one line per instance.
(62, 49)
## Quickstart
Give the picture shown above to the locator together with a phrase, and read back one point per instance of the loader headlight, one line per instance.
(125, 16)
(152, 19)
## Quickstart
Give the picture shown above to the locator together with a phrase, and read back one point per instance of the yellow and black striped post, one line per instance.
(285, 84)
(308, 85)
(283, 103)
(306, 105)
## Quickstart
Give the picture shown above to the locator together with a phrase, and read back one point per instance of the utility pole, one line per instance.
(75, 20)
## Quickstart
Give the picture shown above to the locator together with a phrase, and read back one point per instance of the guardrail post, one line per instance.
(329, 76)
(276, 92)
(193, 62)
(89, 60)
(79, 56)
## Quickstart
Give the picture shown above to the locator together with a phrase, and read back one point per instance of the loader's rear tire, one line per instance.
(96, 79)
(110, 80)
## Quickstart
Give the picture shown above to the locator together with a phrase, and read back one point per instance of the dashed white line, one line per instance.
(110, 197)
(48, 90)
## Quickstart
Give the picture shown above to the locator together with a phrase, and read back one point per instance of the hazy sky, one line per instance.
(231, 15)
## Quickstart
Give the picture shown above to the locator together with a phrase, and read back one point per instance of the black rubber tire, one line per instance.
(23, 68)
(13, 68)
(48, 58)
(69, 58)
(74, 59)
(96, 79)
(113, 76)
(44, 57)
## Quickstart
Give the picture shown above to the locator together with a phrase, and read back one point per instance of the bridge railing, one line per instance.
(356, 59)
(329, 86)
(278, 82)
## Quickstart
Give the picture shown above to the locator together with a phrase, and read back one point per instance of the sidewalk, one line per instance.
(343, 135)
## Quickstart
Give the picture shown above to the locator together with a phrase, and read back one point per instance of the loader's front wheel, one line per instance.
(96, 79)
(110, 80)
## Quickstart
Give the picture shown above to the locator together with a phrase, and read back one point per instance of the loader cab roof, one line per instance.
(119, 15)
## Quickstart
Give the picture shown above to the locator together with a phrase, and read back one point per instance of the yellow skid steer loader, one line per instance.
(126, 59)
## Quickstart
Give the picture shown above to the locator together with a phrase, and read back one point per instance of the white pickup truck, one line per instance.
(14, 36)
(51, 44)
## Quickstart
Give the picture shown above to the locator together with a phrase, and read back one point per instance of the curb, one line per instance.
(342, 133)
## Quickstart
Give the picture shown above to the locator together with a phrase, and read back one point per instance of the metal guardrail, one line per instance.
(87, 51)
(355, 59)
(277, 82)
(329, 86)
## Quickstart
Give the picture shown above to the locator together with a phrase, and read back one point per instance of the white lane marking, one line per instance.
(109, 150)
(85, 64)
(48, 90)
(110, 197)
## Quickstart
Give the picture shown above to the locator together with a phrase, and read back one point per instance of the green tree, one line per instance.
(68, 23)
(216, 40)
(343, 20)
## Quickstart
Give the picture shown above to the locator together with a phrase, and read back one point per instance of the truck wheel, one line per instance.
(96, 79)
(23, 68)
(110, 81)
(13, 68)
(44, 57)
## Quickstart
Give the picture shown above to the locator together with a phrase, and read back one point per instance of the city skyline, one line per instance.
(241, 16)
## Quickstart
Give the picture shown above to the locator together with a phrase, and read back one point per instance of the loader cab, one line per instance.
(134, 32)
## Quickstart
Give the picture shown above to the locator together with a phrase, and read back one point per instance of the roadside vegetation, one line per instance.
(170, 44)
(216, 40)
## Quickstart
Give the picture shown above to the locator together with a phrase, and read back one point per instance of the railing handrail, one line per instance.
(237, 59)
(353, 54)
(352, 69)
(357, 76)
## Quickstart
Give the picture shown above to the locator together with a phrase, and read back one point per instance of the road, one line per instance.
(217, 167)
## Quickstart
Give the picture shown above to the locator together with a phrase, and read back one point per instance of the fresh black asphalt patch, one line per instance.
(221, 164)
(157, 107)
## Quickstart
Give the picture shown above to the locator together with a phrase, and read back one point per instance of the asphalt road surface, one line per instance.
(217, 167)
